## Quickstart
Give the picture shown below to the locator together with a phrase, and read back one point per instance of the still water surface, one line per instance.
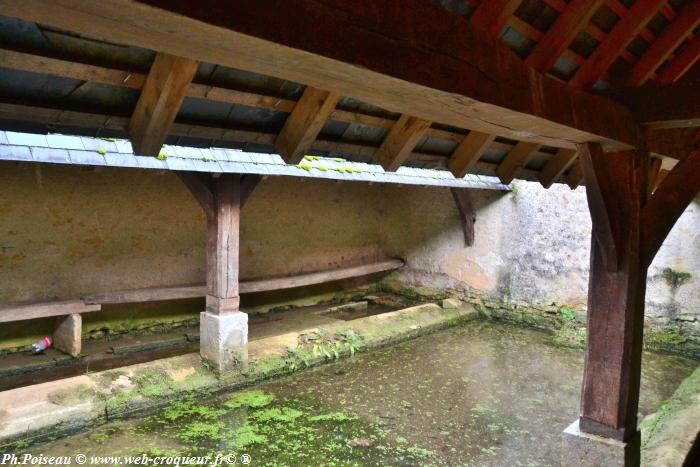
(482, 394)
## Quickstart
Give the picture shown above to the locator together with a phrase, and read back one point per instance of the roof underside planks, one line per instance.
(312, 133)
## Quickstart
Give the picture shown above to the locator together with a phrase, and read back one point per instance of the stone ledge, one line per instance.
(669, 434)
(66, 406)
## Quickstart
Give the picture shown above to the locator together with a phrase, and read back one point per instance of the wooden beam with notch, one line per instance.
(492, 15)
(400, 142)
(518, 157)
(305, 123)
(577, 14)
(630, 24)
(159, 102)
(468, 152)
(665, 45)
(556, 166)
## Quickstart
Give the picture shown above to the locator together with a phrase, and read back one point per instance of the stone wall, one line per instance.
(67, 231)
(531, 252)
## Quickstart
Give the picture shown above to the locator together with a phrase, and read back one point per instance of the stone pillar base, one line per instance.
(223, 340)
(586, 450)
(67, 337)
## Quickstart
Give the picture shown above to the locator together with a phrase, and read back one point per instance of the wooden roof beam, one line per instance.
(160, 100)
(518, 157)
(468, 152)
(614, 44)
(557, 166)
(305, 123)
(665, 45)
(667, 106)
(681, 63)
(492, 15)
(400, 141)
(575, 176)
(496, 92)
(575, 17)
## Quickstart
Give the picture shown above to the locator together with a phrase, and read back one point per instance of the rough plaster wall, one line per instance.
(422, 226)
(532, 247)
(67, 231)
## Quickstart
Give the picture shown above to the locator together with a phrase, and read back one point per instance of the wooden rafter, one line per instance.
(48, 116)
(629, 26)
(556, 166)
(574, 18)
(575, 176)
(518, 157)
(494, 86)
(160, 100)
(305, 123)
(665, 45)
(682, 62)
(466, 155)
(400, 141)
(492, 15)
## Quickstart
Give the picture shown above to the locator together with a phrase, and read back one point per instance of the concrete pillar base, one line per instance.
(587, 450)
(68, 334)
(223, 340)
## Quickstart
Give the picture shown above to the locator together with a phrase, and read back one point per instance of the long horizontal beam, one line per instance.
(668, 106)
(396, 51)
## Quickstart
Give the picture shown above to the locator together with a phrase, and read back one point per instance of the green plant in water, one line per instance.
(332, 417)
(254, 399)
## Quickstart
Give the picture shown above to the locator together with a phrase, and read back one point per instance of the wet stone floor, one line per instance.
(482, 394)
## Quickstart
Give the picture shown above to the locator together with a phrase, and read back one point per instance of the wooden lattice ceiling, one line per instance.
(622, 43)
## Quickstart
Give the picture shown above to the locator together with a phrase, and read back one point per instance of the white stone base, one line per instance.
(67, 337)
(585, 450)
(223, 340)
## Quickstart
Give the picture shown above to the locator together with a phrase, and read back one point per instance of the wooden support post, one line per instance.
(222, 245)
(628, 229)
(616, 190)
(466, 214)
(223, 328)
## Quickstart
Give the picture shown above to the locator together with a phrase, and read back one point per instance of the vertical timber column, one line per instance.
(223, 327)
(606, 433)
